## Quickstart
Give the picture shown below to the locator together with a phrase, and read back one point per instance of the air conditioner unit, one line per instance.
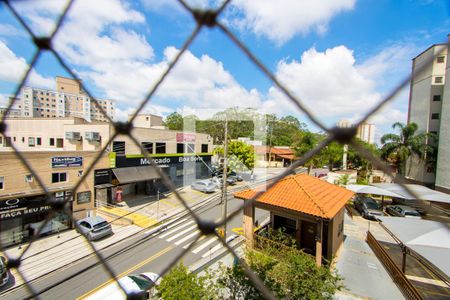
(73, 136)
(92, 136)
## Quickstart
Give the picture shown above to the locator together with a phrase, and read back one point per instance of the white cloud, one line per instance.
(13, 68)
(328, 83)
(9, 30)
(281, 20)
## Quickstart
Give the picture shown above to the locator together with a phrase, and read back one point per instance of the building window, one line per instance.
(7, 141)
(28, 178)
(148, 146)
(59, 143)
(438, 79)
(83, 197)
(435, 116)
(31, 142)
(80, 173)
(190, 148)
(14, 139)
(160, 148)
(204, 148)
(437, 98)
(59, 177)
(51, 142)
(1, 140)
(180, 148)
(23, 139)
(2, 182)
(440, 59)
(38, 141)
(119, 147)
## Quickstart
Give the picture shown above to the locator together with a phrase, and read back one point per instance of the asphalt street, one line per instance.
(144, 252)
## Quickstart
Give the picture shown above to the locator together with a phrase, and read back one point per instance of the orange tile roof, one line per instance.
(303, 193)
(281, 151)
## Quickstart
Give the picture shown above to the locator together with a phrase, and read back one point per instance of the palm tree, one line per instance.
(399, 147)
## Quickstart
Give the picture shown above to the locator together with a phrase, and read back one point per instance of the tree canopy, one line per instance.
(241, 157)
(397, 148)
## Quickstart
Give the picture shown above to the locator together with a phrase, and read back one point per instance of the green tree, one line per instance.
(397, 148)
(241, 156)
(174, 121)
(331, 155)
(181, 284)
(305, 142)
(288, 272)
(283, 131)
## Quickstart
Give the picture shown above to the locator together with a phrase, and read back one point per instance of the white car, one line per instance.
(131, 283)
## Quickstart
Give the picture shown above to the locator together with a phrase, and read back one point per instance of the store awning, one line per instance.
(135, 174)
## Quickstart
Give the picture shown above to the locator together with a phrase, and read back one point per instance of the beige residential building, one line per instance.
(429, 108)
(69, 100)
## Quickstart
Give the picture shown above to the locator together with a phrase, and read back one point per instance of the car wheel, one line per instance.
(363, 214)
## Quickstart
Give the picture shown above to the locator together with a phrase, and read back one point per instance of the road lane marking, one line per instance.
(204, 245)
(139, 265)
(200, 239)
(175, 230)
(217, 247)
(189, 236)
(181, 233)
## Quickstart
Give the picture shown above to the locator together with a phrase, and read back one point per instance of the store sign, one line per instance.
(185, 137)
(83, 197)
(18, 207)
(67, 161)
(123, 162)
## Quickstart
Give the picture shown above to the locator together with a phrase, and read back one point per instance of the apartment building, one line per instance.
(69, 100)
(429, 108)
(365, 131)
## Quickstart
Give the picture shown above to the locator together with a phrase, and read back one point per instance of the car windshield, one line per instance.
(142, 282)
(412, 213)
(102, 224)
(2, 266)
(371, 205)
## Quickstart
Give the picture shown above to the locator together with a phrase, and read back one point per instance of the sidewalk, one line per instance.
(364, 275)
(54, 252)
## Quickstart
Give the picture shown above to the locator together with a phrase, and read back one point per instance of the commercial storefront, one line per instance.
(132, 175)
(23, 203)
(21, 217)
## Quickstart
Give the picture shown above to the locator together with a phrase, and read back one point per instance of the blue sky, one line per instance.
(339, 56)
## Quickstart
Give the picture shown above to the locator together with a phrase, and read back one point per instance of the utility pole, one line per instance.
(224, 185)
(344, 158)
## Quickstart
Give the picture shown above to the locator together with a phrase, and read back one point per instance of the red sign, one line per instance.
(185, 137)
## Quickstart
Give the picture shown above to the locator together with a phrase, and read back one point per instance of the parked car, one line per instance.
(367, 207)
(205, 186)
(131, 284)
(402, 211)
(4, 274)
(94, 228)
(235, 175)
(219, 180)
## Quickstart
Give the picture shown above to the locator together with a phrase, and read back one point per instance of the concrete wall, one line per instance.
(24, 128)
(336, 233)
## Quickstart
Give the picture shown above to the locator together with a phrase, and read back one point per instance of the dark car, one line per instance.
(367, 207)
(4, 274)
(402, 211)
(219, 180)
(235, 175)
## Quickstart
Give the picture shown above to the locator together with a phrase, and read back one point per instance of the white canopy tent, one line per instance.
(369, 189)
(429, 239)
(422, 192)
